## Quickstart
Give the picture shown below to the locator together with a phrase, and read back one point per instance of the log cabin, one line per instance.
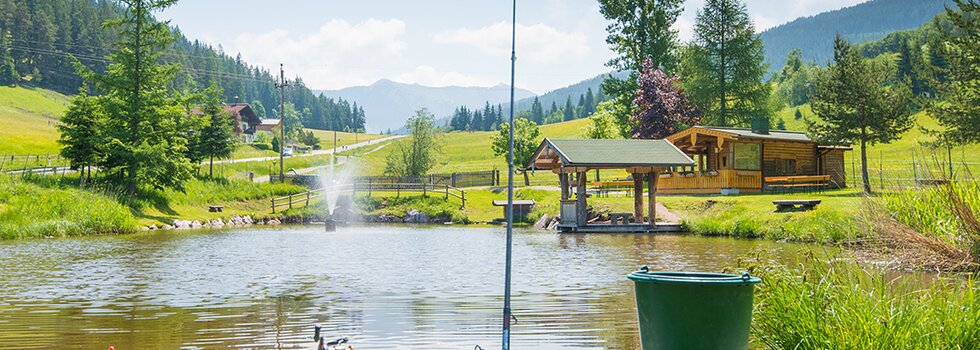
(739, 160)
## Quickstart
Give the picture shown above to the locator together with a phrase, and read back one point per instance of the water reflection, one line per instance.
(385, 287)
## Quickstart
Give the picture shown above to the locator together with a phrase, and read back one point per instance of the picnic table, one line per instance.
(796, 204)
(797, 183)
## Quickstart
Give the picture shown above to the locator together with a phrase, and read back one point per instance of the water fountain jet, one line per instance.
(333, 182)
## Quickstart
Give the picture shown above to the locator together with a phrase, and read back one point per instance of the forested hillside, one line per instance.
(871, 20)
(39, 37)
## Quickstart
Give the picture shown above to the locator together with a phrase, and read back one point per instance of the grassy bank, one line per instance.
(50, 206)
(842, 305)
(836, 219)
(29, 210)
(29, 118)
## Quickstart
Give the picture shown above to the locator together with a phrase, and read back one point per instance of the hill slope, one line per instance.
(29, 118)
(390, 103)
(871, 20)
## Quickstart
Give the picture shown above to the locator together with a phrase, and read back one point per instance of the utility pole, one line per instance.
(281, 85)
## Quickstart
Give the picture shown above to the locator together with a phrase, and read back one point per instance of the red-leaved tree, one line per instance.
(660, 105)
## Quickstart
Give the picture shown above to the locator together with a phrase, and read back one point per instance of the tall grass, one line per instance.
(946, 212)
(29, 211)
(839, 305)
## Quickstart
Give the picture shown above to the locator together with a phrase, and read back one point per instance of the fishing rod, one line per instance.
(510, 183)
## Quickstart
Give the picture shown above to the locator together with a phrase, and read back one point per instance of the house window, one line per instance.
(747, 156)
(786, 166)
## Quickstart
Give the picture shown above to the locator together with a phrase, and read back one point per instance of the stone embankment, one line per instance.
(233, 221)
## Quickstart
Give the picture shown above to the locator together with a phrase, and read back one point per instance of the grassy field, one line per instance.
(29, 118)
(470, 151)
(902, 161)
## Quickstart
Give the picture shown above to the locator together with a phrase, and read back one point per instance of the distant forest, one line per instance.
(872, 20)
(37, 38)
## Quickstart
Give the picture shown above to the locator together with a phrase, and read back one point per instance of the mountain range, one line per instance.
(872, 20)
(388, 103)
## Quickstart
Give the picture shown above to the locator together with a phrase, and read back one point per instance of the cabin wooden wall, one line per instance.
(833, 165)
(804, 153)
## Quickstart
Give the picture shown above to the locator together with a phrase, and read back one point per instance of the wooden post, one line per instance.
(290, 201)
(580, 205)
(638, 197)
(652, 178)
(273, 205)
(563, 183)
(307, 198)
(447, 191)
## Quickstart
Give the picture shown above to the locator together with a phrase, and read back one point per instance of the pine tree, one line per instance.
(723, 67)
(853, 104)
(216, 137)
(8, 71)
(142, 143)
(590, 102)
(959, 109)
(80, 136)
(477, 122)
(537, 112)
(569, 112)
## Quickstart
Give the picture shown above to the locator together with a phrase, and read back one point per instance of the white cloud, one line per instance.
(538, 42)
(429, 76)
(327, 56)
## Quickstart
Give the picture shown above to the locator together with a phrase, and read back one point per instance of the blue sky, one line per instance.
(334, 44)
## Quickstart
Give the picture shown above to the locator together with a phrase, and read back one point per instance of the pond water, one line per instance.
(385, 287)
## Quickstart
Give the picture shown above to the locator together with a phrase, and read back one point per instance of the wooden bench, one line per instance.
(216, 208)
(614, 218)
(792, 205)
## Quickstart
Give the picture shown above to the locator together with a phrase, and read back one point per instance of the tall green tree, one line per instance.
(569, 111)
(640, 30)
(537, 111)
(723, 66)
(854, 104)
(80, 136)
(959, 109)
(216, 137)
(415, 156)
(8, 71)
(602, 122)
(795, 83)
(525, 143)
(143, 144)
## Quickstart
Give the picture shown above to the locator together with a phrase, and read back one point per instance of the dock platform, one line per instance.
(623, 228)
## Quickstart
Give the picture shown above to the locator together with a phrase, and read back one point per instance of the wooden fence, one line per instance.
(463, 179)
(303, 199)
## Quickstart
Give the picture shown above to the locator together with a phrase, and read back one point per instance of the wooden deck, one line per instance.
(627, 228)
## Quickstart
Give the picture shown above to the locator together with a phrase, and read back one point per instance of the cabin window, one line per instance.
(747, 156)
(786, 166)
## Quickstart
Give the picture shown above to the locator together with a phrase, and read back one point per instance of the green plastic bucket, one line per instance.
(693, 310)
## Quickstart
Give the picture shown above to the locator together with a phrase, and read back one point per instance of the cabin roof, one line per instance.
(553, 154)
(772, 135)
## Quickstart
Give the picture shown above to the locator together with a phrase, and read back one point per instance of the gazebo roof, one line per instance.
(553, 154)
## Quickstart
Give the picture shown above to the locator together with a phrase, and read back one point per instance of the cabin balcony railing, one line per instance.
(710, 182)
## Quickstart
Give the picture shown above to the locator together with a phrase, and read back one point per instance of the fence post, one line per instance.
(290, 201)
(447, 191)
(462, 195)
(307, 198)
(453, 180)
(398, 190)
(424, 186)
(273, 205)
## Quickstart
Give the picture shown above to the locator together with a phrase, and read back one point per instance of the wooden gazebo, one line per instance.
(643, 159)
